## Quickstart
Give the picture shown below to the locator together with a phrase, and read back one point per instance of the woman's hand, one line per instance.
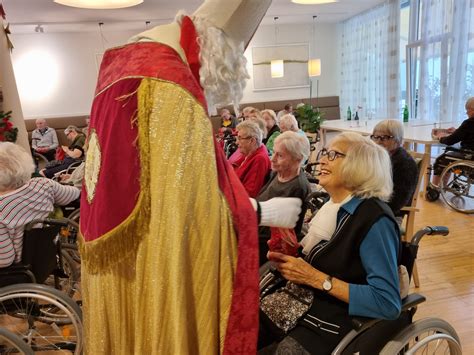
(297, 270)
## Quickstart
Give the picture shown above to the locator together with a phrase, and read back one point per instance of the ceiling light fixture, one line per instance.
(313, 2)
(277, 66)
(99, 4)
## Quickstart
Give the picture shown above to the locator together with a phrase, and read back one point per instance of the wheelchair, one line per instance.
(10, 343)
(456, 185)
(46, 318)
(400, 336)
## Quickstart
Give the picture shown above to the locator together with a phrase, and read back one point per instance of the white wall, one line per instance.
(327, 48)
(57, 72)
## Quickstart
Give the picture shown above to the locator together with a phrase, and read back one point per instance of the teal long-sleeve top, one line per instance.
(380, 298)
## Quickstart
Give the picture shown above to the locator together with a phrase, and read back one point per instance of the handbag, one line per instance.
(287, 305)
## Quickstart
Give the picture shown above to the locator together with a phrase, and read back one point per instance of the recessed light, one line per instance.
(99, 4)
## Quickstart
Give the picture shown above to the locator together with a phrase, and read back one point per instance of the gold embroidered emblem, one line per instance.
(93, 159)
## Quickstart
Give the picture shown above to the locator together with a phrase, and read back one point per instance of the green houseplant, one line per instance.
(310, 119)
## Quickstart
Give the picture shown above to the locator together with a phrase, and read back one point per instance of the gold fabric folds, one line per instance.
(173, 295)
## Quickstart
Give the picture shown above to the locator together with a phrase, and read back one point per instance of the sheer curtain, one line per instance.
(446, 78)
(370, 61)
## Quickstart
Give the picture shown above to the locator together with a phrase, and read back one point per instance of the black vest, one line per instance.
(328, 317)
(340, 256)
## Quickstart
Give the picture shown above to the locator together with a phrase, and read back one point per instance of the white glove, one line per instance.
(280, 212)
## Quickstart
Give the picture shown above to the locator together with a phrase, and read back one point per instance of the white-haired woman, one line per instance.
(350, 261)
(289, 123)
(287, 180)
(254, 168)
(273, 131)
(389, 135)
(23, 199)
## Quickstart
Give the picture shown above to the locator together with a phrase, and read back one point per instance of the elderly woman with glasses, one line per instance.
(349, 256)
(389, 135)
(253, 169)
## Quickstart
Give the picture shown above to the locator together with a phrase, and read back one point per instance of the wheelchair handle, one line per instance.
(48, 221)
(434, 230)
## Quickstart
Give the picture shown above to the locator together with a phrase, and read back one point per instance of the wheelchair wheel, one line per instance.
(432, 194)
(46, 319)
(69, 236)
(68, 279)
(10, 343)
(425, 336)
(457, 186)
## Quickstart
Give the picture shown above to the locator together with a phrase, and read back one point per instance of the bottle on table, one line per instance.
(356, 117)
(349, 113)
(405, 113)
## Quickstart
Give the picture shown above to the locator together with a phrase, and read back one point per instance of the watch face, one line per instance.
(327, 285)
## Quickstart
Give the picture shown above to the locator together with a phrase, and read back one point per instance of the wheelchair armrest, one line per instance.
(363, 323)
(412, 300)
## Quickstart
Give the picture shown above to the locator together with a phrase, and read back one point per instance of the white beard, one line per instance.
(223, 73)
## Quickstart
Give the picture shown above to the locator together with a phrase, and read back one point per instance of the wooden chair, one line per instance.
(408, 224)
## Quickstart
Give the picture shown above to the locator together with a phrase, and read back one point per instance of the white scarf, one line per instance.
(323, 225)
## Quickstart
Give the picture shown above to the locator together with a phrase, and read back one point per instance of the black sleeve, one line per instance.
(455, 137)
(405, 178)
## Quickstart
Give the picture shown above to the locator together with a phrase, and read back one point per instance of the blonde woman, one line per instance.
(350, 253)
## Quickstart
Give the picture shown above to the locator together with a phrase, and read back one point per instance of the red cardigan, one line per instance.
(254, 170)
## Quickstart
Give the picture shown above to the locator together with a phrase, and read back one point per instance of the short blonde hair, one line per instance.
(366, 169)
(288, 122)
(393, 127)
(296, 145)
(252, 129)
(16, 166)
(271, 113)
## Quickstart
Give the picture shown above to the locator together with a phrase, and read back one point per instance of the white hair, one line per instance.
(223, 73)
(16, 166)
(252, 129)
(366, 169)
(288, 122)
(392, 127)
(296, 145)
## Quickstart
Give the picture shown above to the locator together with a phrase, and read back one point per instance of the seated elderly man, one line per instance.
(44, 139)
(254, 168)
(287, 180)
(23, 199)
(464, 135)
(74, 152)
(389, 135)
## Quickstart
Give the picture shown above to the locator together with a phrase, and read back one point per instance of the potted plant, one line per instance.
(8, 133)
(310, 119)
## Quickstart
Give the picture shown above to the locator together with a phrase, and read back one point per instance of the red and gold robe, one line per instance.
(169, 237)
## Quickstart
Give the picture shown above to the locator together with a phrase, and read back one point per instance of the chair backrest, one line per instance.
(422, 160)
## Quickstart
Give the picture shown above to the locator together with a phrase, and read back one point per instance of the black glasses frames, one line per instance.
(331, 154)
(381, 138)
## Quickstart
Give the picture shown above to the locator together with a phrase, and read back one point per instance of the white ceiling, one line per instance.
(24, 15)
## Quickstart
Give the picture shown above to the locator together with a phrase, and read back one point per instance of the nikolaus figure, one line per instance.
(169, 235)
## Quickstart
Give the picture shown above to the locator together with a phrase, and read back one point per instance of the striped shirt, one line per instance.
(34, 200)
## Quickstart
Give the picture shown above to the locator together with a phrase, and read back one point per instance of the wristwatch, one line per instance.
(327, 284)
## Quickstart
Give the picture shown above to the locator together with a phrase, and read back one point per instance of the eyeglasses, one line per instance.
(380, 138)
(243, 138)
(331, 154)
